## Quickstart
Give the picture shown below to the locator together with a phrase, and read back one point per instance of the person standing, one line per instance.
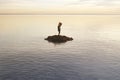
(59, 27)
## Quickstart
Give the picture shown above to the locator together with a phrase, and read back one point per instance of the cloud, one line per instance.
(55, 3)
(33, 3)
(65, 6)
(97, 3)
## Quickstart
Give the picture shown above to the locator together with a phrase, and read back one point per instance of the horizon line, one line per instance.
(56, 14)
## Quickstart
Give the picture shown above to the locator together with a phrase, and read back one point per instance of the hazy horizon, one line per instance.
(60, 7)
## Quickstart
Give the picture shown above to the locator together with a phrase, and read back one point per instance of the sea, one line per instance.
(94, 54)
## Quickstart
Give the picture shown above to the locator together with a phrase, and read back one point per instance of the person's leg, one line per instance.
(58, 32)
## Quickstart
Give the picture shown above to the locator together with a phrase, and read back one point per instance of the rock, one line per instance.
(58, 38)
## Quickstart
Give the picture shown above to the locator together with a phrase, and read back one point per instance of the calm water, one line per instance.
(94, 54)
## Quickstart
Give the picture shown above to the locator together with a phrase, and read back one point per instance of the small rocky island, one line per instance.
(58, 38)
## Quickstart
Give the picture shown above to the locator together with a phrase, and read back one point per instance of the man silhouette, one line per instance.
(59, 28)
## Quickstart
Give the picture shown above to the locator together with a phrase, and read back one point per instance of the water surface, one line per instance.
(94, 54)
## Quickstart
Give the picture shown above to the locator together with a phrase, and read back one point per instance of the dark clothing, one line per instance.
(59, 28)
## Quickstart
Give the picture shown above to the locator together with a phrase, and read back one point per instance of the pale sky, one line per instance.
(60, 6)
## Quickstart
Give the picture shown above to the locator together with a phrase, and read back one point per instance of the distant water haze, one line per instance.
(74, 25)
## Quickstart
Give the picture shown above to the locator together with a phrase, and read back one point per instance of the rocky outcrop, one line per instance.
(58, 38)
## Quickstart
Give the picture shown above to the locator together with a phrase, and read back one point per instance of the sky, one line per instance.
(60, 6)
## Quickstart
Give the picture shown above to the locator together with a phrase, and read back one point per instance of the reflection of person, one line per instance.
(59, 28)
